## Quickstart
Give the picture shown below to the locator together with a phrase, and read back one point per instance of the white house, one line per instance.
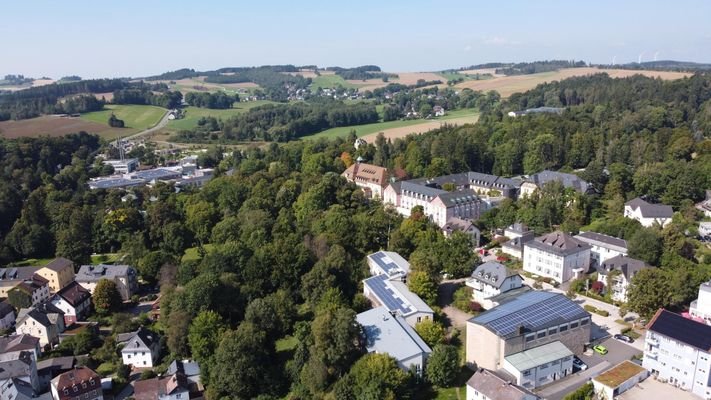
(648, 214)
(701, 307)
(389, 263)
(537, 181)
(619, 271)
(518, 234)
(371, 178)
(124, 276)
(602, 247)
(556, 255)
(619, 379)
(44, 321)
(438, 205)
(141, 349)
(540, 365)
(397, 298)
(487, 385)
(455, 224)
(75, 301)
(491, 279)
(7, 315)
(704, 228)
(677, 351)
(387, 333)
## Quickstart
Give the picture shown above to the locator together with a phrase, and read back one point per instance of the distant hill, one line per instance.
(663, 65)
(527, 68)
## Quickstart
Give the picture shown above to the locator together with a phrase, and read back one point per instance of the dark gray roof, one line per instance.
(59, 264)
(57, 363)
(627, 265)
(91, 273)
(558, 243)
(600, 239)
(685, 330)
(568, 180)
(397, 186)
(186, 367)
(649, 210)
(142, 339)
(18, 343)
(17, 273)
(451, 199)
(5, 309)
(19, 367)
(40, 313)
(492, 273)
(530, 312)
(457, 224)
(422, 189)
(494, 387)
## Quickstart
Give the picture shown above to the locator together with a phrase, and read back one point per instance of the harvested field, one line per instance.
(36, 82)
(401, 132)
(53, 125)
(404, 78)
(108, 96)
(508, 85)
(306, 73)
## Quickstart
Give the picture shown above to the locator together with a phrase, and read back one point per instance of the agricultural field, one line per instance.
(404, 78)
(136, 117)
(198, 84)
(508, 85)
(193, 114)
(400, 128)
(331, 80)
(54, 125)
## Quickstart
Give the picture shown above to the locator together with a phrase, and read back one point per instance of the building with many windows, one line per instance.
(556, 255)
(677, 351)
(602, 247)
(489, 280)
(488, 385)
(371, 178)
(701, 307)
(617, 273)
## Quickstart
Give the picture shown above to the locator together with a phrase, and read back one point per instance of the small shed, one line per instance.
(619, 379)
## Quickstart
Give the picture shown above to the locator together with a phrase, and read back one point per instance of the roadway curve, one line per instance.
(157, 127)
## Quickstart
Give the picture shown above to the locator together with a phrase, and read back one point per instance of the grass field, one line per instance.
(370, 129)
(192, 253)
(193, 114)
(330, 81)
(134, 116)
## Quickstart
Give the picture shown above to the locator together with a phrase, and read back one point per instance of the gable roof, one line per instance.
(94, 273)
(494, 387)
(385, 333)
(649, 210)
(536, 356)
(59, 264)
(451, 199)
(530, 312)
(40, 313)
(5, 309)
(458, 224)
(567, 180)
(492, 273)
(558, 243)
(390, 263)
(150, 389)
(19, 367)
(684, 330)
(187, 367)
(18, 343)
(518, 227)
(603, 240)
(74, 294)
(396, 296)
(75, 379)
(141, 340)
(627, 265)
(367, 173)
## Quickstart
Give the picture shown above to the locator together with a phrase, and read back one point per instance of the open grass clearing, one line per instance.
(193, 114)
(193, 254)
(136, 117)
(331, 81)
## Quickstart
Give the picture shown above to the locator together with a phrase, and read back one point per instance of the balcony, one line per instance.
(652, 341)
(651, 355)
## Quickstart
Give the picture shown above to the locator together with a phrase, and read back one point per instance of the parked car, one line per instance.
(600, 349)
(579, 364)
(624, 338)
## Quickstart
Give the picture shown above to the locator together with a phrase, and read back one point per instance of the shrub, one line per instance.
(589, 308)
(604, 313)
(475, 307)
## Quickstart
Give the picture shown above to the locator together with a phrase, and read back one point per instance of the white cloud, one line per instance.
(500, 41)
(467, 48)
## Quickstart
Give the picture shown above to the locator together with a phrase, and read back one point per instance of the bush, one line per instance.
(590, 308)
(604, 313)
(462, 298)
(475, 307)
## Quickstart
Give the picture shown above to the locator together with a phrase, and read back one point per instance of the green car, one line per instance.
(600, 349)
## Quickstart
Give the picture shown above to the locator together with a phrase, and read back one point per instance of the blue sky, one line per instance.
(139, 38)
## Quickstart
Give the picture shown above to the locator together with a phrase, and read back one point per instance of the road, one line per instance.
(160, 125)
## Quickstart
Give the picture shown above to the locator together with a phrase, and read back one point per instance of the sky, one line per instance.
(125, 38)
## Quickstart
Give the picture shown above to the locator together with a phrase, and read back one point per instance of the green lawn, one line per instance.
(367, 129)
(134, 116)
(107, 258)
(331, 81)
(287, 343)
(193, 114)
(33, 262)
(192, 254)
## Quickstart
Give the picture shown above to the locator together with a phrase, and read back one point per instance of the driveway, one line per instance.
(455, 317)
(650, 389)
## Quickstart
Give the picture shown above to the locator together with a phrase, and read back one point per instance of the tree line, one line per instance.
(536, 67)
(146, 96)
(218, 100)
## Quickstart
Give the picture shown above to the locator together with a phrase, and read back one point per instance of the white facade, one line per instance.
(123, 166)
(603, 247)
(701, 307)
(46, 334)
(619, 286)
(619, 379)
(648, 214)
(705, 228)
(544, 364)
(139, 358)
(554, 266)
(491, 279)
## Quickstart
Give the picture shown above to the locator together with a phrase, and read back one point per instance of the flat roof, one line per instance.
(110, 183)
(620, 374)
(385, 333)
(396, 296)
(157, 173)
(540, 355)
(389, 262)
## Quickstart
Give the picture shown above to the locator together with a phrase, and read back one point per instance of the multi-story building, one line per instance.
(556, 255)
(81, 383)
(616, 274)
(510, 336)
(44, 321)
(389, 263)
(459, 225)
(487, 385)
(7, 315)
(518, 234)
(59, 273)
(648, 214)
(397, 298)
(490, 279)
(141, 349)
(536, 181)
(389, 333)
(125, 166)
(371, 178)
(19, 370)
(701, 307)
(30, 292)
(75, 301)
(677, 351)
(602, 247)
(124, 276)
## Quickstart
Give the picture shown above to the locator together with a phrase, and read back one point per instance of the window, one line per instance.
(563, 328)
(541, 334)
(553, 331)
(584, 321)
(573, 325)
(527, 372)
(530, 337)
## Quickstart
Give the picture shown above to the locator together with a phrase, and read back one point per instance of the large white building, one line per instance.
(648, 214)
(489, 280)
(616, 274)
(603, 247)
(371, 178)
(388, 333)
(556, 255)
(701, 307)
(537, 181)
(677, 351)
(124, 166)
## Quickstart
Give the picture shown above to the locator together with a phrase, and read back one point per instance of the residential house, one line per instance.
(648, 214)
(371, 178)
(81, 383)
(518, 234)
(59, 273)
(174, 386)
(455, 224)
(75, 301)
(51, 368)
(439, 111)
(191, 371)
(7, 315)
(556, 255)
(701, 307)
(388, 333)
(397, 298)
(487, 385)
(18, 369)
(44, 321)
(602, 247)
(17, 389)
(437, 204)
(388, 263)
(142, 349)
(507, 336)
(619, 379)
(490, 279)
(29, 292)
(570, 181)
(704, 228)
(617, 273)
(11, 346)
(124, 276)
(11, 277)
(677, 351)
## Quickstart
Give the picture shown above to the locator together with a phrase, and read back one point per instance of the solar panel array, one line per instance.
(383, 291)
(533, 310)
(385, 263)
